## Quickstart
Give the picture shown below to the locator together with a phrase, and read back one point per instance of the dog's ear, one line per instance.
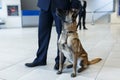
(61, 13)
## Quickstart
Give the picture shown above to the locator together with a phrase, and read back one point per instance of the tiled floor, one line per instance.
(18, 46)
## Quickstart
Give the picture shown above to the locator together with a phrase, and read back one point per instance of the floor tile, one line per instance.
(19, 46)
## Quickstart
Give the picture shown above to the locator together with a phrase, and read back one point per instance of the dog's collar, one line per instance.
(71, 31)
(65, 31)
(67, 21)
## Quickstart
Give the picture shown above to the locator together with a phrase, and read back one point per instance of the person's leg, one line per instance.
(44, 32)
(58, 25)
(79, 21)
(84, 19)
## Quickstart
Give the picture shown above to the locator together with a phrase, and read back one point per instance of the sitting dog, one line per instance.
(70, 42)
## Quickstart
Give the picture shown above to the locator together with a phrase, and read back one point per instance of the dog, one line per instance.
(69, 41)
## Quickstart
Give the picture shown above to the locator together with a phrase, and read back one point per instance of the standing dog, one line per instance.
(70, 42)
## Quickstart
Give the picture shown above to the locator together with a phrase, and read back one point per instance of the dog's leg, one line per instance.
(74, 66)
(61, 56)
(83, 64)
(60, 63)
(69, 56)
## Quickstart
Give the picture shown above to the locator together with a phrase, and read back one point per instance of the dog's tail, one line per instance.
(96, 60)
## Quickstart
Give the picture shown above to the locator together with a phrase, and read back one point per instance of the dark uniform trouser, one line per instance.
(82, 16)
(44, 32)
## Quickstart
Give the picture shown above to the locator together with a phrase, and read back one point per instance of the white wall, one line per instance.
(93, 5)
(15, 21)
(30, 21)
(96, 4)
(10, 21)
(115, 18)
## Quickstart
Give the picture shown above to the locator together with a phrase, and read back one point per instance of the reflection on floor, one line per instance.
(18, 46)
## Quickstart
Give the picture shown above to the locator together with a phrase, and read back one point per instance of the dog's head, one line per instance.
(68, 16)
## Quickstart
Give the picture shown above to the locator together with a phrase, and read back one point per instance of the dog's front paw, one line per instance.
(73, 75)
(59, 72)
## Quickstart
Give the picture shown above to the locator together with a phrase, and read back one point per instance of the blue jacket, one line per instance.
(62, 4)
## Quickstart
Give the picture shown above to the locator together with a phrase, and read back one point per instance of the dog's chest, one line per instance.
(65, 39)
(69, 39)
(67, 54)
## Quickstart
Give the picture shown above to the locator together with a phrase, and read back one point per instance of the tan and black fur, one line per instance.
(70, 42)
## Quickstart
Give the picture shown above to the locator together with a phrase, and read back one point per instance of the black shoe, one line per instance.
(34, 65)
(70, 66)
(85, 28)
(56, 66)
